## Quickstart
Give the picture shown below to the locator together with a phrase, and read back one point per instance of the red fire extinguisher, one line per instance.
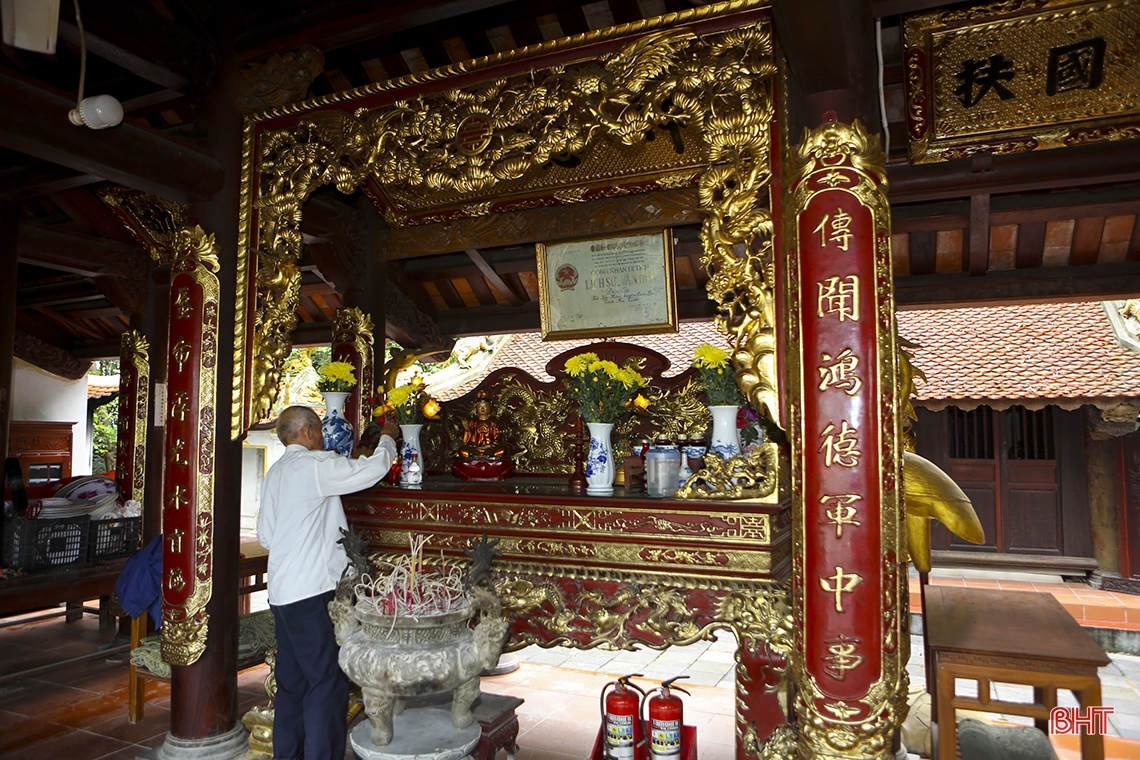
(666, 717)
(621, 719)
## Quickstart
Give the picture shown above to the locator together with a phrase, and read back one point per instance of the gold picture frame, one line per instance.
(600, 287)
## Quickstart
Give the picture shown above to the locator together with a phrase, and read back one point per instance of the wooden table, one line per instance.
(1009, 637)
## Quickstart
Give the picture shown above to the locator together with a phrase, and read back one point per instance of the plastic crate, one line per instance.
(114, 538)
(32, 544)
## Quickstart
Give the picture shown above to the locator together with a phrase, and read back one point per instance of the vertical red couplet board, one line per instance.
(188, 482)
(134, 408)
(847, 600)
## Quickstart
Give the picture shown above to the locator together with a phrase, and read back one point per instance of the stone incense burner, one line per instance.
(397, 657)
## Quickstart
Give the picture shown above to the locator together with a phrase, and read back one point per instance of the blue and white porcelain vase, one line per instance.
(725, 435)
(600, 462)
(694, 451)
(411, 457)
(337, 430)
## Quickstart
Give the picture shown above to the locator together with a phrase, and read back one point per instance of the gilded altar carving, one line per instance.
(153, 221)
(755, 475)
(48, 357)
(283, 79)
(696, 108)
(353, 328)
(1013, 77)
(530, 417)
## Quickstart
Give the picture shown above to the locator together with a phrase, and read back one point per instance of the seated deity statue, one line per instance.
(482, 436)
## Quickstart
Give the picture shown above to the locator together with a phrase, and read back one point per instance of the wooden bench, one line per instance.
(1008, 637)
(51, 587)
(251, 573)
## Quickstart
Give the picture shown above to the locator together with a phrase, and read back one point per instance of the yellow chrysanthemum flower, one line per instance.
(605, 366)
(710, 357)
(399, 395)
(629, 378)
(577, 365)
(338, 371)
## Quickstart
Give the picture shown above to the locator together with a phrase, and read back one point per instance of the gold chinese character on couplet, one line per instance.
(839, 296)
(840, 447)
(842, 656)
(840, 511)
(840, 372)
(841, 583)
(836, 229)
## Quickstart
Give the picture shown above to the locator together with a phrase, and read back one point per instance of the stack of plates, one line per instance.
(94, 496)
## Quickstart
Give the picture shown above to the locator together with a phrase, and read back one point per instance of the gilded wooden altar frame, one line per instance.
(560, 123)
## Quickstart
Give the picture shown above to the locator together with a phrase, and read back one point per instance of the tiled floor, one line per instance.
(1088, 605)
(79, 711)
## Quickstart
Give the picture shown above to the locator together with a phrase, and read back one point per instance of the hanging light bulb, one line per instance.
(101, 111)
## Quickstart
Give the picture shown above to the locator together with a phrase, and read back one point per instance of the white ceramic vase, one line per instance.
(600, 461)
(336, 430)
(725, 435)
(411, 457)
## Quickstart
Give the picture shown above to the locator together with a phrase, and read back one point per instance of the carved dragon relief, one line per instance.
(670, 79)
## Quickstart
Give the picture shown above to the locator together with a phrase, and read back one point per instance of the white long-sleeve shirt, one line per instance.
(301, 516)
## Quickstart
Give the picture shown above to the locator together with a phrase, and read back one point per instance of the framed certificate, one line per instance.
(600, 287)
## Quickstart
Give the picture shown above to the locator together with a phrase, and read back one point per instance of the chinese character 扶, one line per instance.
(1079, 66)
(839, 447)
(840, 373)
(842, 656)
(840, 511)
(843, 583)
(839, 296)
(979, 77)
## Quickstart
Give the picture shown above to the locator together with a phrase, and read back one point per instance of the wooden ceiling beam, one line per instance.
(349, 24)
(57, 293)
(1092, 282)
(898, 7)
(40, 179)
(476, 21)
(493, 277)
(1085, 165)
(140, 158)
(135, 64)
(68, 252)
(663, 208)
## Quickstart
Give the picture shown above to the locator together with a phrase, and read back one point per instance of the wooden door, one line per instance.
(1031, 495)
(1023, 471)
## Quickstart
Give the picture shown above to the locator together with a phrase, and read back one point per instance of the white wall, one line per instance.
(259, 451)
(39, 396)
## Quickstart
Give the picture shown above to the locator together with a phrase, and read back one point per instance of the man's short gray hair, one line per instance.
(293, 420)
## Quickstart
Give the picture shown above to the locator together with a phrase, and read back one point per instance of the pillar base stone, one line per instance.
(228, 746)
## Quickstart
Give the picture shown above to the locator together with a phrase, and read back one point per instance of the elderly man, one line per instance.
(300, 522)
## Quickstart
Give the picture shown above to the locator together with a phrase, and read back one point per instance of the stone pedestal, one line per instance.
(228, 746)
(421, 733)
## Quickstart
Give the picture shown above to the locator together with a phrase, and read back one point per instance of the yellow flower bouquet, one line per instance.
(411, 403)
(718, 375)
(336, 377)
(602, 389)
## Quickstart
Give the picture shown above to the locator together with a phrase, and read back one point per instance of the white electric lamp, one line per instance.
(99, 112)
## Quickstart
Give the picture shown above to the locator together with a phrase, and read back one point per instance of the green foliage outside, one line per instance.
(104, 442)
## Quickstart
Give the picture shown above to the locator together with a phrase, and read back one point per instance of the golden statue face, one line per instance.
(483, 409)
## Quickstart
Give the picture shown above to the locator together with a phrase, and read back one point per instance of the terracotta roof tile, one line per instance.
(1042, 351)
(100, 386)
